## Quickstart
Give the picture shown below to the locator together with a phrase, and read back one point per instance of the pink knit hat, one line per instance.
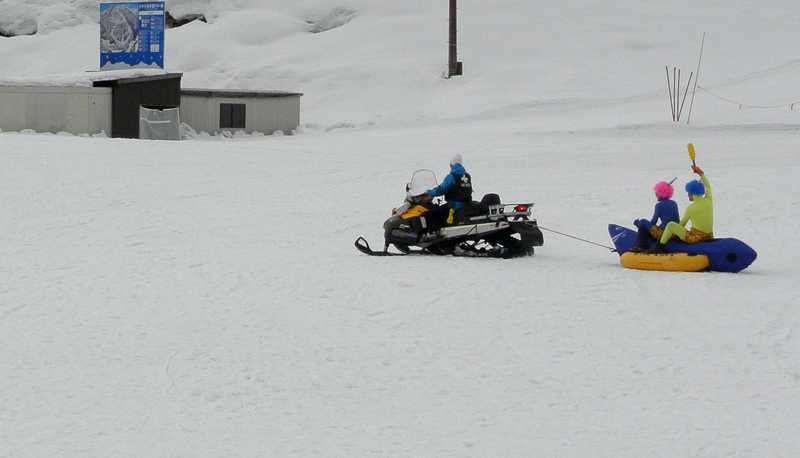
(663, 190)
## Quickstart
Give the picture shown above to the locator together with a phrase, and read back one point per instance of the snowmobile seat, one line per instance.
(489, 200)
(469, 210)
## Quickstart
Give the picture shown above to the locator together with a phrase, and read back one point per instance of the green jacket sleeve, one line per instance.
(707, 184)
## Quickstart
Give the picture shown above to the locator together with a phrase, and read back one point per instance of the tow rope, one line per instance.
(578, 238)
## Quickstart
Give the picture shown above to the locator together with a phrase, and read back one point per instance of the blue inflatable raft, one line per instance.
(724, 255)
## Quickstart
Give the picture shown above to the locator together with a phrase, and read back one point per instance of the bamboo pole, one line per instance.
(685, 93)
(669, 89)
(675, 89)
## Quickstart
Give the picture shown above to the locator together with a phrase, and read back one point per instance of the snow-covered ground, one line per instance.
(203, 298)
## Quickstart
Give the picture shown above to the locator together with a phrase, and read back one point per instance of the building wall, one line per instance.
(78, 110)
(274, 113)
(264, 114)
(196, 112)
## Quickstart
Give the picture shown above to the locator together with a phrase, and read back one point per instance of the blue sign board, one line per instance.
(131, 35)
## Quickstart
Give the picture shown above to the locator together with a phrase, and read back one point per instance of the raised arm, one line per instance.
(707, 184)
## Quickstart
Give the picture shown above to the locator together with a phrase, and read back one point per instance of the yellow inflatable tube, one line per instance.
(668, 262)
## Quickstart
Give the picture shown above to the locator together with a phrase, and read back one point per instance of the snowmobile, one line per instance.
(487, 228)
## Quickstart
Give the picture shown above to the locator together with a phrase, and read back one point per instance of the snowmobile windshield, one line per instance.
(421, 181)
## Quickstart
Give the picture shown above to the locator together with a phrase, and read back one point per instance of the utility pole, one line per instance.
(454, 67)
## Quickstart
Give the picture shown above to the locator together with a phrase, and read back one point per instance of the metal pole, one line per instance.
(675, 90)
(678, 97)
(685, 93)
(452, 61)
(696, 78)
(669, 91)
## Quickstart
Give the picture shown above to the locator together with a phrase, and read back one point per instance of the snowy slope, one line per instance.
(534, 60)
(203, 298)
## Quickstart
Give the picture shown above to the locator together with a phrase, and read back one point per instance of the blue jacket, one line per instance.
(667, 211)
(456, 171)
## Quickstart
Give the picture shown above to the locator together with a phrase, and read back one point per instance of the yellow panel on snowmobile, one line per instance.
(414, 211)
(669, 262)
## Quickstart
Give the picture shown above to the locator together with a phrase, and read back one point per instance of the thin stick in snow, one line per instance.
(697, 78)
(685, 93)
(669, 89)
(678, 97)
(675, 90)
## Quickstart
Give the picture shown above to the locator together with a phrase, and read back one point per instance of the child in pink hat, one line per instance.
(666, 211)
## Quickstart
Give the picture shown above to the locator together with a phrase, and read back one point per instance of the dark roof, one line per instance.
(137, 79)
(236, 93)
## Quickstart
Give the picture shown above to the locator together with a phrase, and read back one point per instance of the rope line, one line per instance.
(578, 238)
(741, 105)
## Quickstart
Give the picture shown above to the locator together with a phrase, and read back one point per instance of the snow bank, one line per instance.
(45, 16)
(323, 21)
(85, 79)
(381, 62)
(17, 19)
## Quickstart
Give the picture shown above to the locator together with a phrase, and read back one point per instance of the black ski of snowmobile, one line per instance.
(362, 246)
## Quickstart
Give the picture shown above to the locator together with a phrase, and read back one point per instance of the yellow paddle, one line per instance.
(690, 147)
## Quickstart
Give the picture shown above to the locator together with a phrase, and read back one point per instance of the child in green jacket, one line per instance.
(700, 212)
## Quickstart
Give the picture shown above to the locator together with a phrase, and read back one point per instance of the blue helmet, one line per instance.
(696, 188)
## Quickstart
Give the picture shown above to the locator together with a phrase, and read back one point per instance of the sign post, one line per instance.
(454, 67)
(132, 35)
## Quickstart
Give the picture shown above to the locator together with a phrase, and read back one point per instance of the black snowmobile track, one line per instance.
(362, 245)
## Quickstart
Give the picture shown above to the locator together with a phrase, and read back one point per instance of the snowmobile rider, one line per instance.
(666, 211)
(456, 188)
(700, 212)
